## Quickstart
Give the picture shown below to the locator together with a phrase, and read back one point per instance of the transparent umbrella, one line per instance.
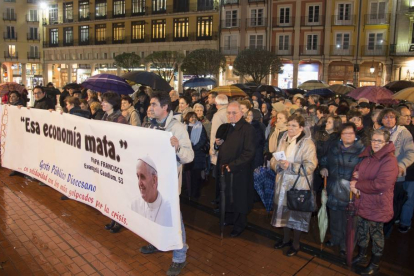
(323, 215)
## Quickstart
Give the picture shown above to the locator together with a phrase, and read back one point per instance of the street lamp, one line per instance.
(372, 69)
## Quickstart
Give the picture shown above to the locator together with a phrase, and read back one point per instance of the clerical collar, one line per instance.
(156, 204)
(233, 124)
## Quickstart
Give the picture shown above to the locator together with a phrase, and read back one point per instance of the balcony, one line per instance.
(342, 50)
(102, 41)
(256, 22)
(32, 19)
(256, 47)
(313, 50)
(377, 19)
(83, 17)
(343, 20)
(213, 36)
(257, 1)
(10, 36)
(52, 44)
(8, 55)
(9, 16)
(68, 43)
(374, 50)
(120, 40)
(32, 1)
(312, 20)
(230, 23)
(33, 36)
(230, 2)
(230, 51)
(118, 15)
(31, 55)
(283, 50)
(281, 22)
(402, 49)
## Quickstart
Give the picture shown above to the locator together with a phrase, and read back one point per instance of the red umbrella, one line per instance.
(375, 94)
(350, 229)
(10, 86)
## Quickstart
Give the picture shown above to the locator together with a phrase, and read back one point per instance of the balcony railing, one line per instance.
(83, 42)
(32, 19)
(342, 50)
(313, 50)
(230, 23)
(9, 16)
(31, 55)
(343, 20)
(32, 1)
(256, 22)
(402, 49)
(10, 36)
(377, 19)
(33, 36)
(374, 50)
(230, 2)
(256, 47)
(257, 1)
(280, 22)
(230, 51)
(8, 55)
(313, 20)
(283, 50)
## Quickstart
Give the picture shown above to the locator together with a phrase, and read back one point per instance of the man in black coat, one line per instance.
(212, 103)
(41, 101)
(236, 153)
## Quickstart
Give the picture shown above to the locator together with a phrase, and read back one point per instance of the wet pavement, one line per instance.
(43, 235)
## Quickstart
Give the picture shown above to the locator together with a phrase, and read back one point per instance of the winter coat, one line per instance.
(199, 162)
(259, 142)
(237, 152)
(219, 118)
(377, 175)
(207, 125)
(364, 135)
(44, 103)
(210, 112)
(305, 154)
(133, 117)
(142, 108)
(324, 141)
(340, 164)
(98, 115)
(116, 117)
(77, 111)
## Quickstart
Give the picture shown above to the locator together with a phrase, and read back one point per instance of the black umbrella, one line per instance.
(269, 89)
(293, 91)
(396, 86)
(72, 85)
(244, 87)
(148, 79)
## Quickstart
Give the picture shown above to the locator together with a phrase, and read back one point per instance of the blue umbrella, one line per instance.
(107, 82)
(264, 183)
(323, 92)
(199, 82)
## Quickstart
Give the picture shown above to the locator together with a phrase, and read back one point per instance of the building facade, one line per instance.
(82, 37)
(20, 57)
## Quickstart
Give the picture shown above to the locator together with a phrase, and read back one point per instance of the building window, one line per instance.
(342, 41)
(54, 37)
(205, 5)
(181, 29)
(312, 42)
(344, 11)
(283, 43)
(53, 14)
(284, 15)
(68, 12)
(256, 17)
(313, 14)
(84, 10)
(118, 32)
(68, 36)
(33, 33)
(181, 6)
(158, 30)
(34, 51)
(12, 50)
(84, 35)
(100, 33)
(119, 8)
(159, 6)
(10, 34)
(375, 41)
(230, 44)
(378, 12)
(256, 42)
(204, 27)
(33, 16)
(138, 31)
(10, 14)
(231, 19)
(100, 8)
(138, 6)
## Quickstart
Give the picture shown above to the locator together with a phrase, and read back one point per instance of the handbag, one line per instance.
(301, 200)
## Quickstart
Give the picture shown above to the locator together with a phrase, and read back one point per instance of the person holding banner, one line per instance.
(41, 101)
(165, 120)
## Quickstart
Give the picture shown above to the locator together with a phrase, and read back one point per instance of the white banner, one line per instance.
(128, 173)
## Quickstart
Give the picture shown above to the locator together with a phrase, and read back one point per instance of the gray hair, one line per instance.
(236, 103)
(385, 133)
(198, 105)
(222, 99)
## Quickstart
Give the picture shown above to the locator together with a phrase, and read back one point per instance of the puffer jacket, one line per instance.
(340, 164)
(377, 175)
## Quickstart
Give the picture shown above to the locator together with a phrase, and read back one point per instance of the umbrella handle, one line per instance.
(324, 182)
(223, 167)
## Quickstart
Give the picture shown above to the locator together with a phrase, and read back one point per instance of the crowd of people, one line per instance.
(359, 147)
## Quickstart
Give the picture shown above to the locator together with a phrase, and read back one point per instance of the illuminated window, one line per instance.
(54, 36)
(33, 16)
(119, 8)
(68, 35)
(138, 6)
(204, 27)
(53, 13)
(84, 10)
(12, 50)
(84, 34)
(68, 12)
(159, 6)
(158, 30)
(100, 8)
(138, 31)
(100, 33)
(118, 32)
(181, 29)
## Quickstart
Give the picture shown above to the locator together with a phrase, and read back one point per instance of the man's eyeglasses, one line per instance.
(377, 142)
(389, 117)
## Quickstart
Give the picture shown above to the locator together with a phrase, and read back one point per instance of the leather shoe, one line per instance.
(292, 251)
(110, 225)
(235, 233)
(116, 228)
(280, 244)
(329, 244)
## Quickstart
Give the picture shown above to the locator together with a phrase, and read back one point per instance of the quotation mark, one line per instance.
(22, 119)
(123, 144)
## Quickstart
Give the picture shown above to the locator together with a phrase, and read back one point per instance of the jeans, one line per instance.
(408, 207)
(180, 255)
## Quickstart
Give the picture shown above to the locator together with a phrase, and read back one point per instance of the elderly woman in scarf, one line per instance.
(192, 171)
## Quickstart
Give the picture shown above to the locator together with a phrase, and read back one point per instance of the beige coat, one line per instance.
(219, 118)
(305, 153)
